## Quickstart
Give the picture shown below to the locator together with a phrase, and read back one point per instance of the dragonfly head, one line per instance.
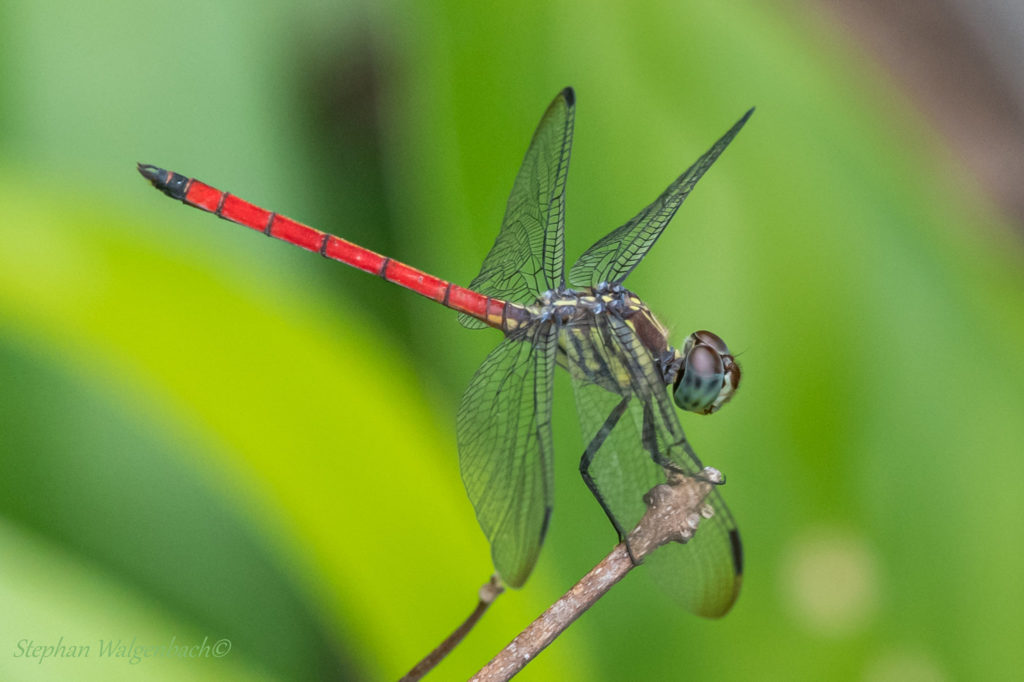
(709, 375)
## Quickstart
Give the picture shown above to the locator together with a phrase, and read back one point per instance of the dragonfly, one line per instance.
(625, 373)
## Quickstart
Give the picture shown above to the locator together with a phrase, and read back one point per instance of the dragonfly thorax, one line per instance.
(591, 345)
(577, 306)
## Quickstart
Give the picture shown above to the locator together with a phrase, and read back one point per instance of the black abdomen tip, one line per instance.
(171, 184)
(569, 95)
(152, 173)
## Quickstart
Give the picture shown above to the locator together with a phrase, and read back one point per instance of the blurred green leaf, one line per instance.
(95, 616)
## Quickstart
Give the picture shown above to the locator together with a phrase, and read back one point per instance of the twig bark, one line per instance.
(488, 593)
(674, 510)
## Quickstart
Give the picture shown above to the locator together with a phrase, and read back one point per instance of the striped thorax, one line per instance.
(608, 336)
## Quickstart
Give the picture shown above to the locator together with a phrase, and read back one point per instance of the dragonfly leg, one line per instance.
(649, 439)
(588, 458)
(650, 443)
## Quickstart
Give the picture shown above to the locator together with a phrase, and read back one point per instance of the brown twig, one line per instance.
(488, 593)
(674, 510)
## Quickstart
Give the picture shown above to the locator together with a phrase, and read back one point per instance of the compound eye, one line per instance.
(713, 340)
(700, 383)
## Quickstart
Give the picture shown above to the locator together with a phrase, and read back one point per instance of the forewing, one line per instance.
(504, 436)
(703, 575)
(528, 256)
(614, 256)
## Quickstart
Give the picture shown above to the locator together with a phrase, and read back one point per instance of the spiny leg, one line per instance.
(650, 443)
(649, 438)
(588, 458)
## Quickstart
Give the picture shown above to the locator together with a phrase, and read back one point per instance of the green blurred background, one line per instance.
(205, 434)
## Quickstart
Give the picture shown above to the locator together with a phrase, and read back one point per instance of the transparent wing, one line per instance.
(704, 575)
(622, 471)
(528, 256)
(615, 255)
(504, 436)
